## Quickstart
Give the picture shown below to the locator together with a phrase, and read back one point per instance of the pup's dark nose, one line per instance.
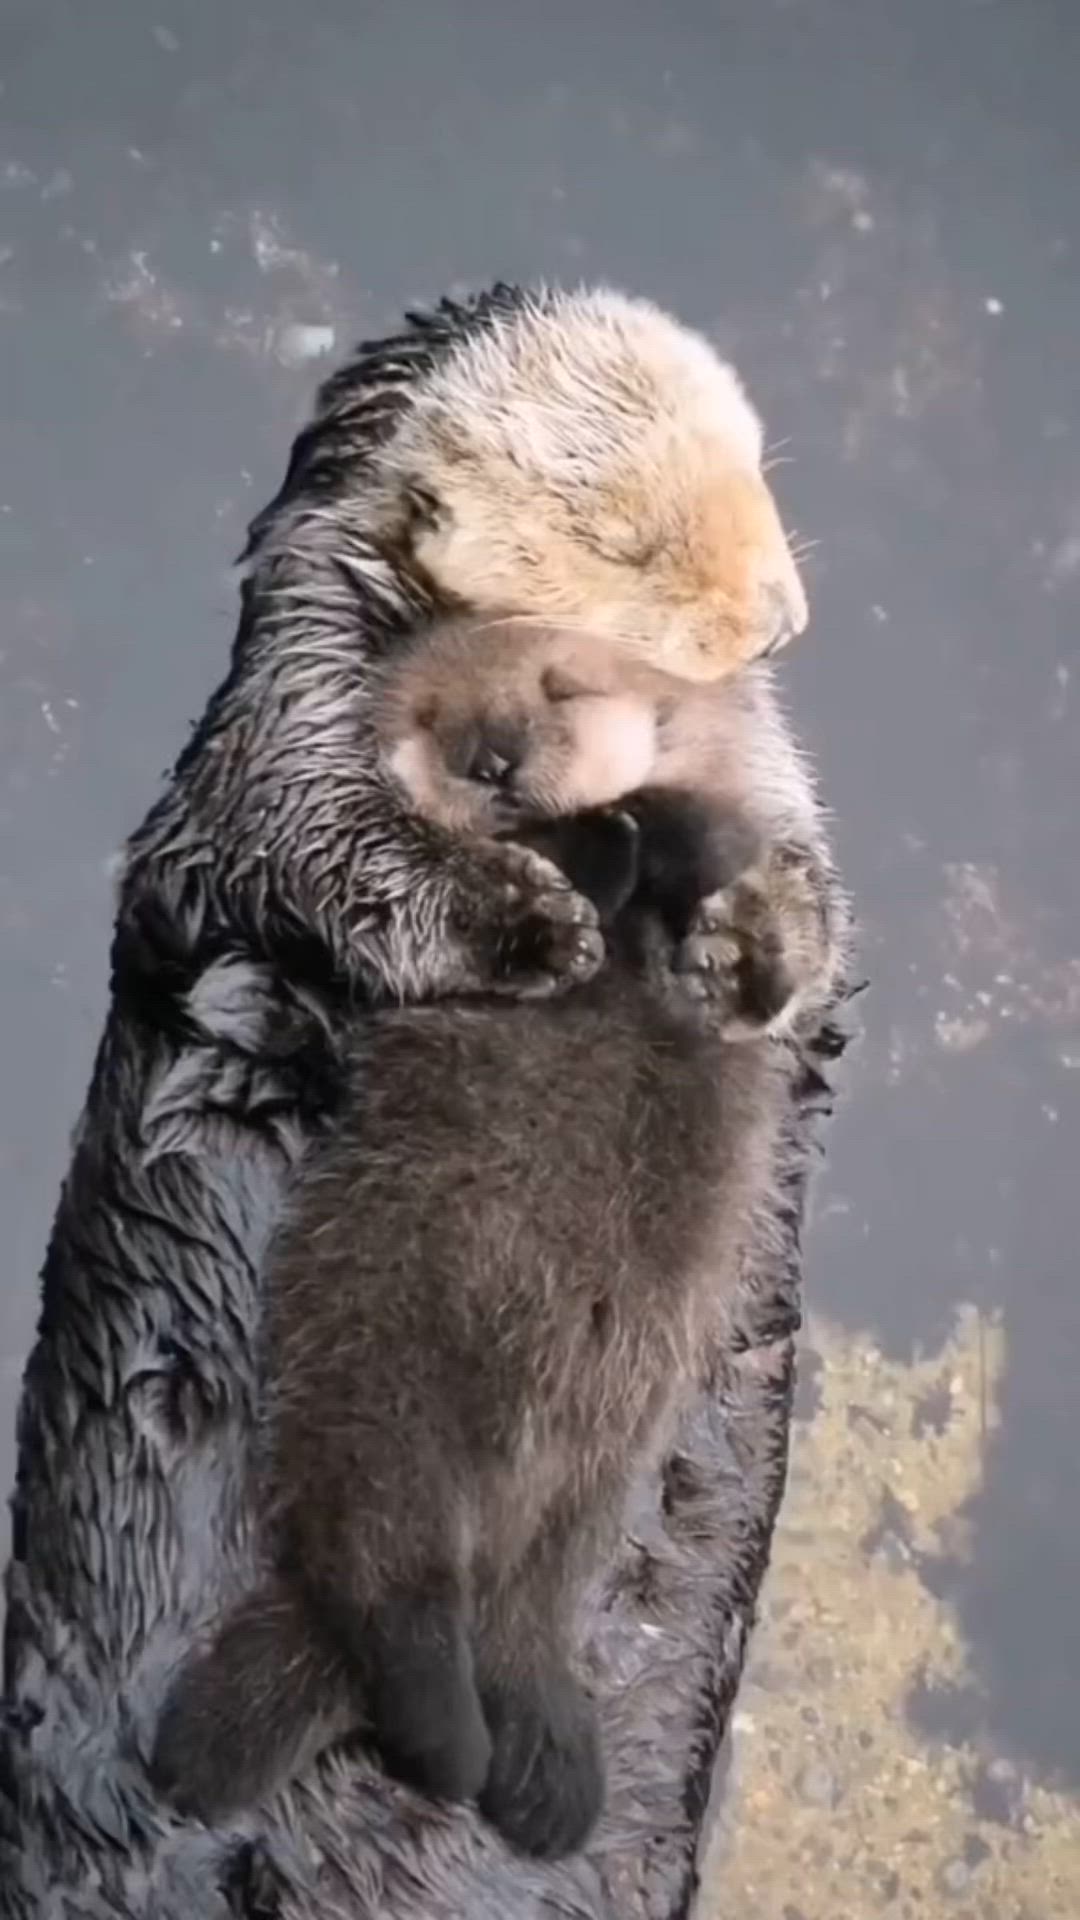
(493, 768)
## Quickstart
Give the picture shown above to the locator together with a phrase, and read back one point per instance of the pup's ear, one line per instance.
(565, 683)
(426, 712)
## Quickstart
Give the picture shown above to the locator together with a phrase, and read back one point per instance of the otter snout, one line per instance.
(784, 609)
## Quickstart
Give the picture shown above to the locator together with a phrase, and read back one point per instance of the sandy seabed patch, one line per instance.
(837, 1807)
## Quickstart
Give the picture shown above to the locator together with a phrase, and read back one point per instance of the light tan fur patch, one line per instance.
(593, 462)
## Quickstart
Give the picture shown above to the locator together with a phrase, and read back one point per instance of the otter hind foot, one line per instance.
(545, 1790)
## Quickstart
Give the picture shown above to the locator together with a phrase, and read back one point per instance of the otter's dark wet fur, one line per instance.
(496, 1281)
(241, 910)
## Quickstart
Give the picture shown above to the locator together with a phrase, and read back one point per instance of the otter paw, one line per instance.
(545, 1789)
(427, 1721)
(436, 1742)
(755, 949)
(533, 935)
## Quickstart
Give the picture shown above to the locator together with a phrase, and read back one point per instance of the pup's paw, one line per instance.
(545, 1788)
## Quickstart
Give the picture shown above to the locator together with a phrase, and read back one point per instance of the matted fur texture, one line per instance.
(241, 906)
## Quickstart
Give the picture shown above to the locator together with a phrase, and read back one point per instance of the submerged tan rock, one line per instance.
(838, 1806)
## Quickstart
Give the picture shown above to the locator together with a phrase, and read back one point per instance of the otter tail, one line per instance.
(251, 1710)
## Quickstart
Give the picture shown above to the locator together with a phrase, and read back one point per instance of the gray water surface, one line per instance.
(874, 208)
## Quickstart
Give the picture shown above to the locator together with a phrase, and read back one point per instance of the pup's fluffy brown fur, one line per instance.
(467, 1360)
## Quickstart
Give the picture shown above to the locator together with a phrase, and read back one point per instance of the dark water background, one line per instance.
(874, 207)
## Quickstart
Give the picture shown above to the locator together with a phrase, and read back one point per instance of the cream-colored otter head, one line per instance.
(489, 724)
(589, 461)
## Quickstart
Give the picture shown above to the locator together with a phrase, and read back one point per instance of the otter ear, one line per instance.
(564, 683)
(425, 510)
(426, 712)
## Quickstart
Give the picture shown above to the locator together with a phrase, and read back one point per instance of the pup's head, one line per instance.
(589, 461)
(490, 725)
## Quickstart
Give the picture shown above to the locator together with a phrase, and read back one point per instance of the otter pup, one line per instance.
(464, 1365)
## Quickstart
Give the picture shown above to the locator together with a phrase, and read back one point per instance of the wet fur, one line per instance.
(272, 884)
(467, 1362)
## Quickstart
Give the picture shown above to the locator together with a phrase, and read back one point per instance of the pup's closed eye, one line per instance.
(562, 683)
